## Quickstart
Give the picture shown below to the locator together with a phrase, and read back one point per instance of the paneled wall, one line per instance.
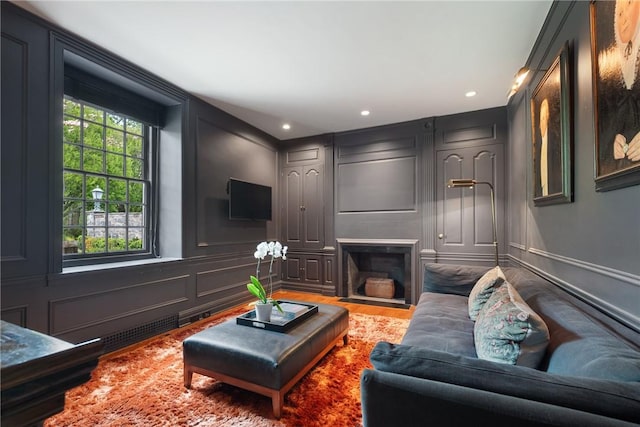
(378, 182)
(226, 148)
(592, 245)
(206, 259)
(24, 147)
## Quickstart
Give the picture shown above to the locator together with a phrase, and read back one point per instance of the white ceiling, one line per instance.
(316, 65)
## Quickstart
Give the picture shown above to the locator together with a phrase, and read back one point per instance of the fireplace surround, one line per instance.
(367, 268)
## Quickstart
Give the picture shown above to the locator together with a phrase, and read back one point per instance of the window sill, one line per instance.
(114, 265)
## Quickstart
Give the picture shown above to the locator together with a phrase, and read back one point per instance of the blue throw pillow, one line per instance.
(483, 289)
(507, 330)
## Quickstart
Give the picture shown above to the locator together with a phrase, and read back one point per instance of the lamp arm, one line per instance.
(493, 217)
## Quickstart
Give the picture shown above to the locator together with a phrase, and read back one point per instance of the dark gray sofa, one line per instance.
(589, 376)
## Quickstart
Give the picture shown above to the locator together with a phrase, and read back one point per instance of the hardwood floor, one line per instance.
(399, 313)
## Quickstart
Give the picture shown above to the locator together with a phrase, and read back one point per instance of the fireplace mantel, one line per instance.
(378, 242)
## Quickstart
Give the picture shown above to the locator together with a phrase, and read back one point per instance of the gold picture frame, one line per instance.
(551, 134)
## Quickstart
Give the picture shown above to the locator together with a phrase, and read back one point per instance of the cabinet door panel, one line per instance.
(312, 207)
(312, 270)
(293, 268)
(292, 221)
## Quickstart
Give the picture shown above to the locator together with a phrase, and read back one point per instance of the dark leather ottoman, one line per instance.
(265, 362)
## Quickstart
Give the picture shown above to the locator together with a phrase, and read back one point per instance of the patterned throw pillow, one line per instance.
(509, 331)
(483, 289)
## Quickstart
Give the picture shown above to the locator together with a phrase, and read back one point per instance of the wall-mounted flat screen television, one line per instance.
(249, 201)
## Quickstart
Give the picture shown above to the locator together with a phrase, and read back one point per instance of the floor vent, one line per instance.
(131, 336)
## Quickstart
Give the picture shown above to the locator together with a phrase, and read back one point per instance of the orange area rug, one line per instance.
(144, 386)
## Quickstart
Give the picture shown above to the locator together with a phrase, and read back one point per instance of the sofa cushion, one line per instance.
(451, 279)
(584, 341)
(441, 322)
(507, 330)
(483, 289)
(609, 398)
(596, 358)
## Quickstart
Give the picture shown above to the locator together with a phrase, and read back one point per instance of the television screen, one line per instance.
(249, 201)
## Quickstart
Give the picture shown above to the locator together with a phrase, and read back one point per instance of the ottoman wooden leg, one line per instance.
(277, 401)
(188, 375)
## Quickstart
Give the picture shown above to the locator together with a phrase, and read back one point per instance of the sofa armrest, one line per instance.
(451, 279)
(616, 399)
(393, 399)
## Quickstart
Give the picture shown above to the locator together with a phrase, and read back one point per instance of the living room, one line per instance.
(381, 185)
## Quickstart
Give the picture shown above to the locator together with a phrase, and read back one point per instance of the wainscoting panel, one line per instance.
(97, 308)
(16, 315)
(14, 154)
(594, 283)
(485, 169)
(469, 134)
(374, 186)
(211, 282)
(453, 200)
(25, 146)
(380, 149)
(295, 156)
(221, 155)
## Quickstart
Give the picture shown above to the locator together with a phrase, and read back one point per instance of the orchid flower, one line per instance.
(276, 250)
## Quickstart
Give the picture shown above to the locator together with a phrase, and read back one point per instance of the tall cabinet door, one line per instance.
(292, 206)
(303, 207)
(464, 215)
(312, 207)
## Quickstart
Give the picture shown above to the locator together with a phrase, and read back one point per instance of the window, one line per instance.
(106, 169)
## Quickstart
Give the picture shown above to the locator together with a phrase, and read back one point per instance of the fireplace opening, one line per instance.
(377, 271)
(376, 275)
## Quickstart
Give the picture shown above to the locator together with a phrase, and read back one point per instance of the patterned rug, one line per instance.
(144, 386)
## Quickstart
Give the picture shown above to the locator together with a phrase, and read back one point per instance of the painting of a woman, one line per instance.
(616, 48)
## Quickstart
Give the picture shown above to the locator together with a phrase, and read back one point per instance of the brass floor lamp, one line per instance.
(455, 183)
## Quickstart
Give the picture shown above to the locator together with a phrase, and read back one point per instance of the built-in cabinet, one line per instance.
(302, 206)
(464, 219)
(304, 268)
(302, 210)
(472, 146)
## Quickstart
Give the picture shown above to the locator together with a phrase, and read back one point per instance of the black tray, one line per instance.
(294, 313)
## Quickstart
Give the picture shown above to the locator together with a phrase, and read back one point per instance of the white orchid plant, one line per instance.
(276, 250)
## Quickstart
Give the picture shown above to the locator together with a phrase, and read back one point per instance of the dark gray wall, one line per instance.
(207, 259)
(590, 246)
(224, 148)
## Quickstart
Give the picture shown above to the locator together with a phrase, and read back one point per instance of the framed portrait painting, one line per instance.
(551, 132)
(615, 55)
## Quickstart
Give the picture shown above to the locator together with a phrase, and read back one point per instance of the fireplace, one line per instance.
(377, 270)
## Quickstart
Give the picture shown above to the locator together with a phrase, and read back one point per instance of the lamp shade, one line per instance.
(97, 193)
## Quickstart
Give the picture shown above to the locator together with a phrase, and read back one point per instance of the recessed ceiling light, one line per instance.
(470, 93)
(365, 112)
(286, 126)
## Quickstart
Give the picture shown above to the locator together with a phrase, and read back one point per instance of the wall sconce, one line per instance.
(456, 183)
(518, 79)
